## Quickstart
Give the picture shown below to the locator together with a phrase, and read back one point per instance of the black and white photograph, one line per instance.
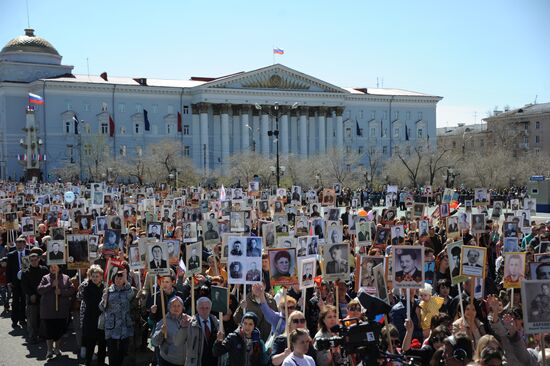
(473, 261)
(301, 225)
(189, 232)
(254, 246)
(263, 208)
(481, 197)
(365, 272)
(333, 213)
(510, 229)
(157, 258)
(85, 224)
(268, 234)
(336, 261)
(318, 225)
(311, 196)
(56, 252)
(382, 236)
(220, 299)
(281, 224)
(313, 245)
(112, 239)
(514, 204)
(134, 257)
(101, 224)
(283, 267)
(397, 235)
(193, 254)
(418, 210)
(210, 232)
(173, 246)
(388, 216)
(454, 253)
(27, 225)
(524, 218)
(57, 233)
(237, 221)
(536, 306)
(97, 198)
(77, 251)
(278, 207)
(253, 187)
(453, 230)
(544, 247)
(301, 246)
(154, 230)
(329, 197)
(364, 236)
(444, 210)
(296, 196)
(510, 244)
(93, 247)
(423, 228)
(253, 273)
(307, 268)
(334, 232)
(530, 204)
(380, 282)
(540, 270)
(478, 223)
(286, 242)
(408, 262)
(115, 222)
(497, 209)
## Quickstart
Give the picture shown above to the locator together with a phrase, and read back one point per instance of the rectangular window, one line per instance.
(526, 126)
(396, 133)
(104, 107)
(373, 131)
(481, 143)
(67, 127)
(87, 149)
(537, 139)
(186, 151)
(384, 150)
(121, 107)
(123, 150)
(408, 116)
(419, 133)
(104, 128)
(419, 116)
(454, 144)
(139, 108)
(348, 132)
(185, 109)
(360, 150)
(395, 114)
(373, 115)
(537, 125)
(186, 129)
(168, 128)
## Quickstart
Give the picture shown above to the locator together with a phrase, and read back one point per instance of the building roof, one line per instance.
(387, 91)
(93, 79)
(461, 130)
(29, 43)
(527, 110)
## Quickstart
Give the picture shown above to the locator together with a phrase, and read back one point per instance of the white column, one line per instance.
(293, 128)
(205, 161)
(196, 133)
(225, 136)
(330, 131)
(312, 133)
(283, 132)
(245, 128)
(235, 127)
(303, 131)
(322, 118)
(264, 127)
(339, 128)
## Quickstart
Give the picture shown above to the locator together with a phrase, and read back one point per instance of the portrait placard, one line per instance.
(210, 232)
(135, 258)
(536, 297)
(244, 263)
(514, 269)
(365, 273)
(193, 255)
(336, 261)
(157, 259)
(283, 267)
(154, 230)
(56, 252)
(380, 280)
(453, 229)
(93, 247)
(301, 225)
(190, 232)
(407, 263)
(286, 242)
(511, 244)
(364, 236)
(478, 223)
(78, 256)
(220, 299)
(540, 270)
(173, 246)
(307, 268)
(418, 210)
(473, 261)
(27, 226)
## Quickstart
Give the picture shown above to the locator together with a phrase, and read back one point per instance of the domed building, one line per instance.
(211, 118)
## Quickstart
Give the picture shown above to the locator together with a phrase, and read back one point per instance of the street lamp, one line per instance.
(275, 133)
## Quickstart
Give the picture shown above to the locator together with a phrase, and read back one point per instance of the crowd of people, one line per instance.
(156, 275)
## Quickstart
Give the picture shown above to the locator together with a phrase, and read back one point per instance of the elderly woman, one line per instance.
(116, 304)
(90, 292)
(170, 336)
(55, 290)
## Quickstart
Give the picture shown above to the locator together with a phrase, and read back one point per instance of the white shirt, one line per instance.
(292, 360)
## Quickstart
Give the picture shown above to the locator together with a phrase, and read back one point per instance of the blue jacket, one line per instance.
(398, 314)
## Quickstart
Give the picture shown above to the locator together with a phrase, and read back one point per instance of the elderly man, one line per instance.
(13, 275)
(202, 335)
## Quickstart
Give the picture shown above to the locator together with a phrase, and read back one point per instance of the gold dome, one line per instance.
(29, 43)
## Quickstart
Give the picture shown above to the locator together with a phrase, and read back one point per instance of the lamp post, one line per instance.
(275, 133)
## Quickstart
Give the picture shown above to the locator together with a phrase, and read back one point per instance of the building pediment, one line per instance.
(275, 77)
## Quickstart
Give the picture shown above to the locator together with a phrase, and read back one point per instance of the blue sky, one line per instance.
(476, 54)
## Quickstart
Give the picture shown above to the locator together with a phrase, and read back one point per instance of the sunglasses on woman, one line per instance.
(298, 321)
(354, 308)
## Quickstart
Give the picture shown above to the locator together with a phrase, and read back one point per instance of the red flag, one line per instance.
(180, 127)
(111, 127)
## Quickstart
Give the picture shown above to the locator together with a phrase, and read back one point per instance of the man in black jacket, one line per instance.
(14, 281)
(30, 280)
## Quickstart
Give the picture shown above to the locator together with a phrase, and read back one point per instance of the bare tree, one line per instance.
(435, 162)
(412, 163)
(375, 161)
(246, 165)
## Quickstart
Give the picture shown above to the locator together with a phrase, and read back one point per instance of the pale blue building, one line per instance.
(213, 118)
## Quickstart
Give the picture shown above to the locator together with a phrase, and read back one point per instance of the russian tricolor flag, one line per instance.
(35, 99)
(278, 51)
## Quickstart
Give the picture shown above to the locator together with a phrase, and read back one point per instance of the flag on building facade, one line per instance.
(146, 120)
(278, 51)
(406, 133)
(358, 131)
(381, 129)
(180, 127)
(35, 99)
(111, 126)
(76, 122)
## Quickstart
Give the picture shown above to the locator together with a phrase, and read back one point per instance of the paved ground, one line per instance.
(14, 350)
